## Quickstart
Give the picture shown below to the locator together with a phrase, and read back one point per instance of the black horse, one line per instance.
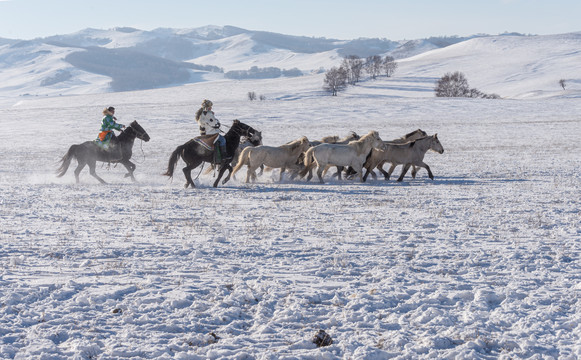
(88, 153)
(194, 154)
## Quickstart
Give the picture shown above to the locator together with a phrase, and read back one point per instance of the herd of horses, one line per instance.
(350, 155)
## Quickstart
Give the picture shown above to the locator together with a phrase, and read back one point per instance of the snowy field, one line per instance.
(481, 263)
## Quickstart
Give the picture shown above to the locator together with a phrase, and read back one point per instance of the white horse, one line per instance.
(334, 139)
(376, 158)
(283, 157)
(352, 154)
(408, 154)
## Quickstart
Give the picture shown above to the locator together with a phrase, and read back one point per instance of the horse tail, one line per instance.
(66, 160)
(243, 159)
(173, 159)
(308, 162)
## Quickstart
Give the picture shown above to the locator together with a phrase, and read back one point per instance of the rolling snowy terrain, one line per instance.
(483, 262)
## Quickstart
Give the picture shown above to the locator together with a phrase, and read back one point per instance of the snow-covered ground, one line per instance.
(481, 263)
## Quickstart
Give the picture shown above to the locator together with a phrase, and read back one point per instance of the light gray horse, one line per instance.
(283, 157)
(409, 154)
(352, 154)
(375, 159)
(330, 140)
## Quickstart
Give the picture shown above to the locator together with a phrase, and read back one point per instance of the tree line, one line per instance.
(352, 69)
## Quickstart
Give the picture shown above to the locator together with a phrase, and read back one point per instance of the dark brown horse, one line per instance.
(194, 154)
(88, 153)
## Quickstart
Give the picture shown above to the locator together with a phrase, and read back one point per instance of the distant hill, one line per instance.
(126, 58)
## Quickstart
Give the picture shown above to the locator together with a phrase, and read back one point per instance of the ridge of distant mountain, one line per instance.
(125, 58)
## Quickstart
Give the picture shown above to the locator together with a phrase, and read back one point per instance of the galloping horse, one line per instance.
(88, 153)
(194, 154)
(283, 157)
(408, 154)
(376, 158)
(352, 154)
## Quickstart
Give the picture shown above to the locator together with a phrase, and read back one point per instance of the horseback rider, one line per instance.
(210, 126)
(108, 124)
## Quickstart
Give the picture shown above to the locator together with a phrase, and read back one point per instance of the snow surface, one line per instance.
(481, 263)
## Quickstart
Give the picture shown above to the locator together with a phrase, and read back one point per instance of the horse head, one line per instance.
(140, 133)
(351, 136)
(241, 129)
(256, 138)
(435, 144)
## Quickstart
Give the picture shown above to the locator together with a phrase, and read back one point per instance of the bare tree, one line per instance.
(562, 83)
(354, 66)
(456, 85)
(335, 80)
(452, 85)
(251, 95)
(389, 65)
(373, 65)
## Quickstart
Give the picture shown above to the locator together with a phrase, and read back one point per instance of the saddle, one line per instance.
(207, 141)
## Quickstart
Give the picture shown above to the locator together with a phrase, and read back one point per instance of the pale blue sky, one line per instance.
(340, 19)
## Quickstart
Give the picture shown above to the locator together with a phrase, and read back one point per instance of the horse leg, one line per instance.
(339, 171)
(130, 168)
(78, 170)
(415, 170)
(282, 170)
(367, 171)
(310, 174)
(223, 169)
(320, 174)
(188, 174)
(227, 178)
(388, 174)
(424, 165)
(93, 173)
(404, 171)
(359, 171)
(250, 174)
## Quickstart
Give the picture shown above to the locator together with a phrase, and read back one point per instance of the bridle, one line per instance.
(138, 135)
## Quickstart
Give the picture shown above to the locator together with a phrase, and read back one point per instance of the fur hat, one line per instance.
(206, 104)
(109, 110)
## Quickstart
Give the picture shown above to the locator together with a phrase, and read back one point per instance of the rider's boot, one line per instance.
(224, 153)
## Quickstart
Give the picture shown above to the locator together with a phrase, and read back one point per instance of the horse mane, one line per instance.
(330, 139)
(350, 137)
(408, 135)
(293, 145)
(412, 143)
(362, 140)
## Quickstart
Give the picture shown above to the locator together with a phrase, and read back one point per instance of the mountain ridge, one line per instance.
(126, 58)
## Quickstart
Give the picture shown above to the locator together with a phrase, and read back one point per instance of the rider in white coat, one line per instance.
(210, 125)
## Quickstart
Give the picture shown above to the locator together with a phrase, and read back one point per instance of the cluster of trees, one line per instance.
(352, 69)
(252, 96)
(456, 85)
(262, 73)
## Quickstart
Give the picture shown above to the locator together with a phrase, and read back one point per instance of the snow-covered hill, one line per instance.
(511, 66)
(122, 59)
